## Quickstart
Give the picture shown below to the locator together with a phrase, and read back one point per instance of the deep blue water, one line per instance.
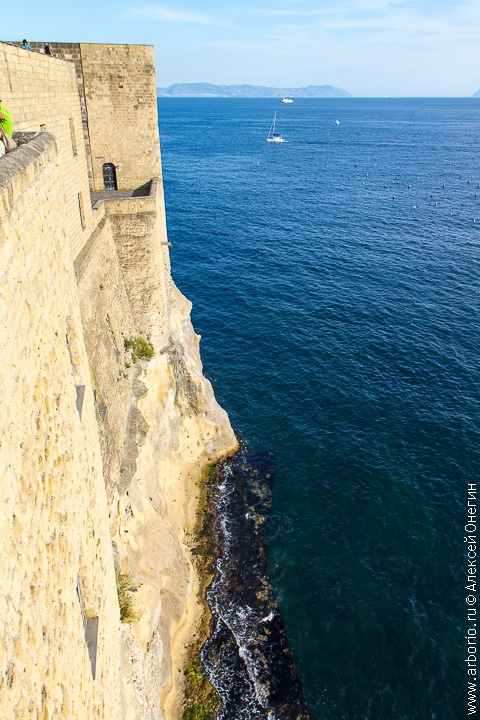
(335, 281)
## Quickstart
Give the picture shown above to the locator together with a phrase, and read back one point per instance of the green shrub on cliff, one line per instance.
(141, 349)
(125, 588)
(204, 549)
(197, 712)
(201, 698)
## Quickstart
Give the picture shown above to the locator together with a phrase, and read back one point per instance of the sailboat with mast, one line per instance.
(273, 136)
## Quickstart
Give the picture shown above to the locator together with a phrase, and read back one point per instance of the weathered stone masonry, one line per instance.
(93, 448)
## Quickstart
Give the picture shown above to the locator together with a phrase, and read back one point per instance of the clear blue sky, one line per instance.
(368, 47)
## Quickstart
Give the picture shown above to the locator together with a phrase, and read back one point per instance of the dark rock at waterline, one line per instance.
(248, 657)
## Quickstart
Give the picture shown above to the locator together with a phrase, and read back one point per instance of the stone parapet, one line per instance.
(41, 94)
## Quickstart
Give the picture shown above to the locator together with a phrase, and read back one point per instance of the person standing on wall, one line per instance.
(6, 126)
(25, 44)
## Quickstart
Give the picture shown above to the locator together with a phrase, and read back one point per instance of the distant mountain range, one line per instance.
(250, 91)
(477, 94)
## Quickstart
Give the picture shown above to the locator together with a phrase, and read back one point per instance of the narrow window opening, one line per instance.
(72, 135)
(80, 210)
(81, 603)
(90, 628)
(91, 638)
(80, 395)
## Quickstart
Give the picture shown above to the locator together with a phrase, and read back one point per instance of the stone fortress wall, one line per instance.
(116, 88)
(100, 455)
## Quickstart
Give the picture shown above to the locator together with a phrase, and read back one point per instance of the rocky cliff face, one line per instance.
(159, 426)
(154, 519)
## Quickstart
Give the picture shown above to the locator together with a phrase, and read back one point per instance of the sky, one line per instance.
(371, 48)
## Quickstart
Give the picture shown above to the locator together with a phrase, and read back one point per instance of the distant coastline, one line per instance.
(250, 91)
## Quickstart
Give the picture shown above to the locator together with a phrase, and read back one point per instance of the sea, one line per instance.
(335, 281)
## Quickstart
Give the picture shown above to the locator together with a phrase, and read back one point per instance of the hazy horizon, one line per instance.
(298, 87)
(370, 48)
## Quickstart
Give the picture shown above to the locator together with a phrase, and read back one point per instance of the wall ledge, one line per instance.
(17, 161)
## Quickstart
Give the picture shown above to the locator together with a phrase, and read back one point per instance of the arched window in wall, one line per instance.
(109, 176)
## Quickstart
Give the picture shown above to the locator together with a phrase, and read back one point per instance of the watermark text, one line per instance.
(470, 541)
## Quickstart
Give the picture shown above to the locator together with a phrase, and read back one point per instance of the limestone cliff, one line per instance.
(156, 516)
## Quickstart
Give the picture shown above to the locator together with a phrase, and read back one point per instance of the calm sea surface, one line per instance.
(335, 280)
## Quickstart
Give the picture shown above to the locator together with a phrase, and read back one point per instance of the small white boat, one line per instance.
(337, 122)
(286, 101)
(274, 137)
